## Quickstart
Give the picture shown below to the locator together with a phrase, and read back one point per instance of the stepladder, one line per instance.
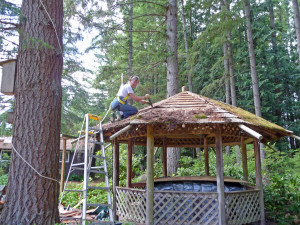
(91, 135)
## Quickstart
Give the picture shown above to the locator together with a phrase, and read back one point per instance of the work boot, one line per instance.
(112, 117)
(119, 115)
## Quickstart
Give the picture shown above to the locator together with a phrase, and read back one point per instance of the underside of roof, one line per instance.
(183, 120)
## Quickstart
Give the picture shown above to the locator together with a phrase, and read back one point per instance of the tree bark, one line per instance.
(130, 47)
(256, 95)
(172, 74)
(32, 199)
(230, 62)
(173, 155)
(130, 55)
(297, 25)
(172, 46)
(226, 68)
(186, 46)
(275, 51)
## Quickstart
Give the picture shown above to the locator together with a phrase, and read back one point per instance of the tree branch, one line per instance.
(112, 28)
(8, 28)
(126, 3)
(16, 25)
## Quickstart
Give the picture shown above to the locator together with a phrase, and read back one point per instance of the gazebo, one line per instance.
(190, 120)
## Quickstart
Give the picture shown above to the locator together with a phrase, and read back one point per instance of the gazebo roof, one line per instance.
(185, 118)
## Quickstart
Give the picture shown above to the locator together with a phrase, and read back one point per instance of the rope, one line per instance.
(53, 26)
(49, 178)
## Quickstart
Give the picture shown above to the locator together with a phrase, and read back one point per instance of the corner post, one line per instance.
(129, 163)
(220, 175)
(244, 159)
(150, 176)
(206, 156)
(164, 157)
(116, 173)
(259, 184)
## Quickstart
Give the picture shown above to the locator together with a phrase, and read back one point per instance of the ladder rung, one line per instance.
(96, 142)
(73, 190)
(102, 222)
(100, 188)
(70, 218)
(97, 157)
(77, 168)
(77, 164)
(97, 167)
(93, 204)
(96, 171)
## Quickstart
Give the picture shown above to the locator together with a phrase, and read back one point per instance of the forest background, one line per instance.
(129, 37)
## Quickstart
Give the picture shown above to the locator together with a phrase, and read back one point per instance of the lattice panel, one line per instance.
(131, 204)
(242, 207)
(185, 208)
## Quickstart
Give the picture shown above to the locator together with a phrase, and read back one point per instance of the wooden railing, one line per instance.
(242, 207)
(176, 207)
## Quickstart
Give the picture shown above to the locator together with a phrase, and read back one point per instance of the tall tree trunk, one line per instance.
(173, 154)
(226, 69)
(256, 95)
(231, 70)
(186, 46)
(230, 62)
(277, 74)
(32, 199)
(231, 81)
(297, 25)
(172, 47)
(226, 72)
(130, 56)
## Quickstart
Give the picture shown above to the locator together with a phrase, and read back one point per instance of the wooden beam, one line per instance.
(150, 176)
(129, 163)
(120, 132)
(259, 184)
(244, 159)
(220, 176)
(251, 132)
(164, 157)
(116, 175)
(63, 165)
(206, 156)
(296, 137)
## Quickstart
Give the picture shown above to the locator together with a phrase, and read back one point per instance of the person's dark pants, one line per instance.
(128, 110)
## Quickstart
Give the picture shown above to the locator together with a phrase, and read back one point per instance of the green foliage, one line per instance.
(4, 179)
(282, 198)
(282, 194)
(93, 196)
(76, 177)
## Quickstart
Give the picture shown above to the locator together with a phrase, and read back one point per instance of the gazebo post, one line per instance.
(129, 163)
(116, 175)
(259, 184)
(244, 159)
(150, 176)
(206, 156)
(220, 175)
(164, 157)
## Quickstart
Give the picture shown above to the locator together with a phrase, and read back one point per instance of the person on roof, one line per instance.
(119, 105)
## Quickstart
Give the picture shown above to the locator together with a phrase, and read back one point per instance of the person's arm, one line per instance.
(137, 98)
